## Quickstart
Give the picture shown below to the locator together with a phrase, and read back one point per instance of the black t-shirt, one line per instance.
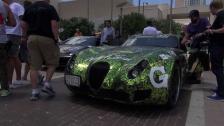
(217, 39)
(39, 16)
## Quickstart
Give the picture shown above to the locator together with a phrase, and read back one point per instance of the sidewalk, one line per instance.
(203, 112)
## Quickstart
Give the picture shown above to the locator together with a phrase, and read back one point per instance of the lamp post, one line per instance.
(121, 5)
(139, 5)
(143, 7)
(88, 10)
(171, 16)
(112, 9)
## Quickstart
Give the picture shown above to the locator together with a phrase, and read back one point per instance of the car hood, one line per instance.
(122, 59)
(124, 55)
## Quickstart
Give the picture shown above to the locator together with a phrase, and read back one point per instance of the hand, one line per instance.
(209, 31)
(24, 39)
(56, 40)
(199, 35)
(187, 43)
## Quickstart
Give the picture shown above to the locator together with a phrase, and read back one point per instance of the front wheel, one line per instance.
(174, 87)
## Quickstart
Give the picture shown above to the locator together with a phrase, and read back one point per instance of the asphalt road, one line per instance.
(68, 110)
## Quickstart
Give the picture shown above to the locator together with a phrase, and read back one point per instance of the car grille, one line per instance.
(63, 61)
(115, 95)
(97, 74)
(141, 95)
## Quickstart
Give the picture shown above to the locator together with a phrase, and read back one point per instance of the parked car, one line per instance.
(74, 45)
(145, 69)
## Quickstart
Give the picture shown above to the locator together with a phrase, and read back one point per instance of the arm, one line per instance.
(218, 31)
(114, 35)
(102, 35)
(185, 39)
(25, 27)
(54, 23)
(221, 23)
(11, 20)
(54, 28)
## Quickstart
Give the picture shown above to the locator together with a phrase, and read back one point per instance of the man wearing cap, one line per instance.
(196, 26)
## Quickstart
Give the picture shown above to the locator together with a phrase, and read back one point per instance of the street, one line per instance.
(68, 110)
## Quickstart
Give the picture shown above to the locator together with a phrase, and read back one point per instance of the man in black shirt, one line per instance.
(40, 25)
(217, 48)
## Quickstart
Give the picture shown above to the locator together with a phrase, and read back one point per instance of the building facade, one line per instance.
(185, 3)
(194, 2)
(99, 10)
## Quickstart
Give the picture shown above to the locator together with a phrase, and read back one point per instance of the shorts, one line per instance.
(42, 50)
(13, 45)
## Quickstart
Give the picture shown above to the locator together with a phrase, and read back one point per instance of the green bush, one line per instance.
(135, 23)
(164, 26)
(69, 27)
(132, 24)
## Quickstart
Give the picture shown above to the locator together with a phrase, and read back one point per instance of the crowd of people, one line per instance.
(198, 28)
(28, 32)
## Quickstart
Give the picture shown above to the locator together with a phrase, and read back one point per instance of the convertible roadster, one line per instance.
(145, 69)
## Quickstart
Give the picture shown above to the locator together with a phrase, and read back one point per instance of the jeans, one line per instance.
(217, 57)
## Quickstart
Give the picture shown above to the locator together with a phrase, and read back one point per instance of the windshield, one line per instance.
(160, 41)
(81, 41)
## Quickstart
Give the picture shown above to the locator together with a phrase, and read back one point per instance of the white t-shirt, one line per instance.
(18, 10)
(151, 31)
(107, 32)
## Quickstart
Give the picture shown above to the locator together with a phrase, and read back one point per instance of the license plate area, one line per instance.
(73, 80)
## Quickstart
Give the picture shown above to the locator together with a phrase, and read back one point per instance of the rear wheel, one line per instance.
(174, 87)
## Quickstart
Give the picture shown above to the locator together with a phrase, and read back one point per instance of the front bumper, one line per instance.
(132, 96)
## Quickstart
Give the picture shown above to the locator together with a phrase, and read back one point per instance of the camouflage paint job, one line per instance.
(123, 59)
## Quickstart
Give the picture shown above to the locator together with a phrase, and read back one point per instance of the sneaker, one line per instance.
(17, 82)
(5, 93)
(49, 91)
(12, 86)
(214, 90)
(215, 97)
(35, 97)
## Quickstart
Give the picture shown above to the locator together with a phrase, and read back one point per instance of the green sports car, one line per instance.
(145, 69)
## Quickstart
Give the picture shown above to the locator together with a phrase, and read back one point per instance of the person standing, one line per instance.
(198, 25)
(6, 17)
(216, 48)
(40, 25)
(77, 32)
(24, 54)
(150, 30)
(14, 35)
(108, 33)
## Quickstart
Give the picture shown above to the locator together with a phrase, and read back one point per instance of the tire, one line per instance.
(174, 87)
(73, 90)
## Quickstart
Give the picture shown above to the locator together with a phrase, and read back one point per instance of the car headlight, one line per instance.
(138, 69)
(134, 73)
(144, 64)
(71, 63)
